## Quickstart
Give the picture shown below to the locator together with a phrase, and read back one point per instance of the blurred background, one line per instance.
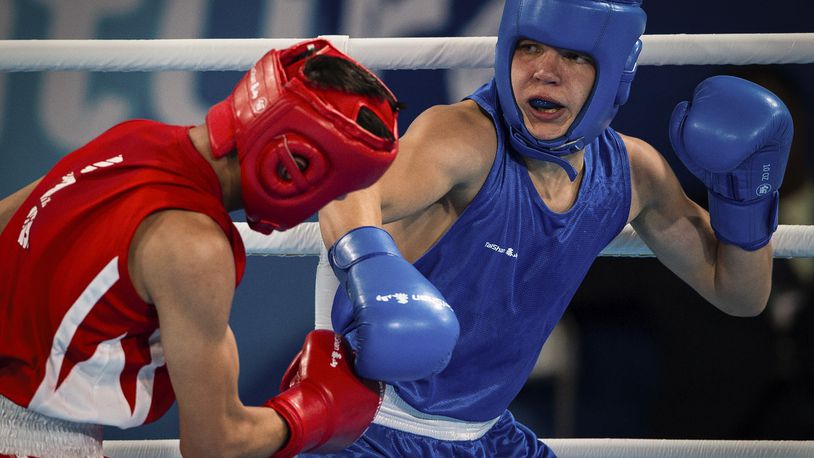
(638, 354)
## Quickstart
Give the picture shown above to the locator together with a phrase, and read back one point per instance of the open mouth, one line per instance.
(544, 105)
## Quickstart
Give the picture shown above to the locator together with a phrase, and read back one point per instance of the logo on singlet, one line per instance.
(25, 232)
(510, 252)
(67, 180)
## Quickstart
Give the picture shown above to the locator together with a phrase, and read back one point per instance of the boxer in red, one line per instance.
(118, 268)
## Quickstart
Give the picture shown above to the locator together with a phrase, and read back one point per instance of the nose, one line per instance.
(547, 66)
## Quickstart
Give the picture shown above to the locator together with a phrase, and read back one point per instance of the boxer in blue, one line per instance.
(499, 204)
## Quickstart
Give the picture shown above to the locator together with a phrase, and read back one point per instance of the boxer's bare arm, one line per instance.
(182, 262)
(679, 232)
(9, 205)
(445, 155)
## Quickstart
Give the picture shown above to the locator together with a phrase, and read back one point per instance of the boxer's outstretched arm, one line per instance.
(403, 327)
(440, 153)
(182, 262)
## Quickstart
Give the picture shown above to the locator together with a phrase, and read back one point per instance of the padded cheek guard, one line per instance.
(607, 31)
(299, 145)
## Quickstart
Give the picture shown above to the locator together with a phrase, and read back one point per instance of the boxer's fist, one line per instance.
(735, 136)
(402, 327)
(327, 407)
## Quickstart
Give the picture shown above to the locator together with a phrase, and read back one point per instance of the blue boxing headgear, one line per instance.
(606, 30)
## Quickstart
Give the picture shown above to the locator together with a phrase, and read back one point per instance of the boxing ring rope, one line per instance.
(790, 241)
(564, 448)
(377, 53)
(435, 53)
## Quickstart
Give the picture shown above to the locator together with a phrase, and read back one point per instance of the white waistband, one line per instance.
(25, 432)
(397, 414)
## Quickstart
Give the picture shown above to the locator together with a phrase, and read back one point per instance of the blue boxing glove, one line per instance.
(735, 137)
(402, 327)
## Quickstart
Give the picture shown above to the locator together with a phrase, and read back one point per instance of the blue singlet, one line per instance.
(508, 267)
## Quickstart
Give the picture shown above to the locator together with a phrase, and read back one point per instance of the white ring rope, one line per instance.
(377, 53)
(305, 240)
(564, 448)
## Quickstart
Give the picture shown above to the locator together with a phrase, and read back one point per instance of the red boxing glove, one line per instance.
(327, 407)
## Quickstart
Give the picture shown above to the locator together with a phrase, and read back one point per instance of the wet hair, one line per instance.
(330, 72)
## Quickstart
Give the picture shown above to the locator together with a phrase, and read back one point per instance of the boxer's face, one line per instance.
(550, 86)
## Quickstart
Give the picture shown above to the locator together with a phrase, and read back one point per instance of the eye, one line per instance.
(576, 57)
(528, 47)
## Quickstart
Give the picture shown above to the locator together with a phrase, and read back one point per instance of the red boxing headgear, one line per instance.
(279, 121)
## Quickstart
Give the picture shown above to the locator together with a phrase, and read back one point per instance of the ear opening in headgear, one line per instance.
(290, 165)
(300, 161)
